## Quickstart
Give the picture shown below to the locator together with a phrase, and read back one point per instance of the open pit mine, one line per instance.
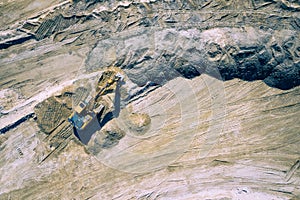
(148, 99)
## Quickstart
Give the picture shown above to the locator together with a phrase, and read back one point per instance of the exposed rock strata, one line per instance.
(215, 131)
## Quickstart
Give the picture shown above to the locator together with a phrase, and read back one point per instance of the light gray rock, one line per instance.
(201, 70)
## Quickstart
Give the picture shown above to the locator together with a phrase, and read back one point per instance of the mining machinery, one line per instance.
(75, 109)
(88, 109)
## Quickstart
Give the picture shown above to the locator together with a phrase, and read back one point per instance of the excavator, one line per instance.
(57, 117)
(88, 109)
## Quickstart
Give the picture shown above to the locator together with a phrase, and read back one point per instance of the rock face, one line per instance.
(249, 54)
(209, 108)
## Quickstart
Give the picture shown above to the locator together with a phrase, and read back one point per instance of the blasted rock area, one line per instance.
(255, 40)
(160, 55)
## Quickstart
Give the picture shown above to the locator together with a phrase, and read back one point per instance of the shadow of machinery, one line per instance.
(100, 121)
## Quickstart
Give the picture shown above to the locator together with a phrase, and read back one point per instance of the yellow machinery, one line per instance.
(88, 109)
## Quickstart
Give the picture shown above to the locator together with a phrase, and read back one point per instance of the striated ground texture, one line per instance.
(209, 107)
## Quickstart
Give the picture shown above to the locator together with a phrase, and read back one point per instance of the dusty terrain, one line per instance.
(209, 108)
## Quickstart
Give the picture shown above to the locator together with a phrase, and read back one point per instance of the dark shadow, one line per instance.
(117, 101)
(109, 116)
(95, 125)
(17, 123)
(85, 135)
(17, 41)
(75, 132)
